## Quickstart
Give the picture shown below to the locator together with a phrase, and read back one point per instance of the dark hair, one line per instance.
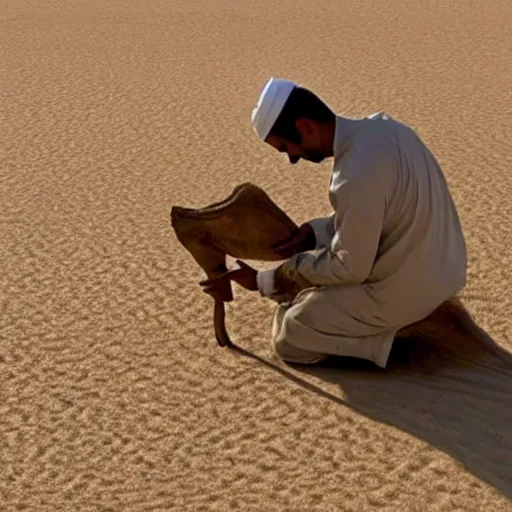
(301, 104)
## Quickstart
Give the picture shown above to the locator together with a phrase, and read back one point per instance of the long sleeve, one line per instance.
(323, 227)
(265, 280)
(361, 205)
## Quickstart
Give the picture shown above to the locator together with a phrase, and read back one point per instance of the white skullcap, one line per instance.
(272, 100)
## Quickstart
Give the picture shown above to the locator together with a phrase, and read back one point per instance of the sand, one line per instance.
(114, 395)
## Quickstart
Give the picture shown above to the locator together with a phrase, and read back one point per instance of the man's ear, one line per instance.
(305, 126)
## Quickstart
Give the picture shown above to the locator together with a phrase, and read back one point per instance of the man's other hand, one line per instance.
(245, 276)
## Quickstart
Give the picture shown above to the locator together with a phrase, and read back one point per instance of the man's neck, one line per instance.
(329, 131)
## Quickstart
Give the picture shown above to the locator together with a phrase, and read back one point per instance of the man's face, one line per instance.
(308, 149)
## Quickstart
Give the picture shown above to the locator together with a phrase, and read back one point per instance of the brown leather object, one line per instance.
(247, 224)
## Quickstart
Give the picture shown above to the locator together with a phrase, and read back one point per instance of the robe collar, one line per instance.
(345, 129)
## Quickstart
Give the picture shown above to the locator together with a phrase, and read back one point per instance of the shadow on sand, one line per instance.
(457, 399)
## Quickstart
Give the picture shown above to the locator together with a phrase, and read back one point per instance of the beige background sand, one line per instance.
(113, 393)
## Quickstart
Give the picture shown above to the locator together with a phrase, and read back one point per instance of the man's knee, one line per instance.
(291, 354)
(283, 339)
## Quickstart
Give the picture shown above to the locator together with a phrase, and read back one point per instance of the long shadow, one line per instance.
(458, 404)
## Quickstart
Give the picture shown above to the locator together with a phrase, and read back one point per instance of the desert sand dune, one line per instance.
(114, 395)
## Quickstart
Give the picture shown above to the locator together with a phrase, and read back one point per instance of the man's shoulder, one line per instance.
(377, 138)
(386, 122)
(372, 151)
(383, 122)
(380, 135)
(380, 115)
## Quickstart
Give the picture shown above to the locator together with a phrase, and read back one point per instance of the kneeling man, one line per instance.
(390, 253)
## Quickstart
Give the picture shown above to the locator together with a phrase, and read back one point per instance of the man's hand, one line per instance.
(245, 276)
(302, 241)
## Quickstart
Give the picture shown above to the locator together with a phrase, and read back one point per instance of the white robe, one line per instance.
(392, 251)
